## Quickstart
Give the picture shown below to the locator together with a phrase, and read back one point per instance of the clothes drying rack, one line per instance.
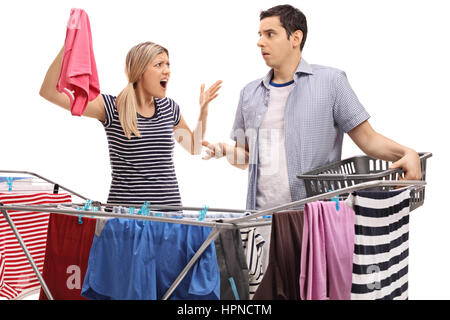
(249, 218)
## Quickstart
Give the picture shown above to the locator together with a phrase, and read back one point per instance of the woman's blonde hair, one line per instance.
(137, 61)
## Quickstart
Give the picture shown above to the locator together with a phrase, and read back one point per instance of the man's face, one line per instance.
(273, 41)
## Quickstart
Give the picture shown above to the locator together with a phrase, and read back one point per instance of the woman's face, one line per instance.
(155, 79)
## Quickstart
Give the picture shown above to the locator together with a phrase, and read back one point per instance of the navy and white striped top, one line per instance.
(142, 167)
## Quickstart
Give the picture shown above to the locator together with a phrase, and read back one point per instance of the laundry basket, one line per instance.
(355, 170)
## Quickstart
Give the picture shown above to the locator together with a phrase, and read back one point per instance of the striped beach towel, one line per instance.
(380, 260)
(17, 278)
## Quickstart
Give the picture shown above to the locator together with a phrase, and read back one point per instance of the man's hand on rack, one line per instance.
(378, 146)
(410, 164)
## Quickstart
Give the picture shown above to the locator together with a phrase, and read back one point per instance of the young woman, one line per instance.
(141, 125)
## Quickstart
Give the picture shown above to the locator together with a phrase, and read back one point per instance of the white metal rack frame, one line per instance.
(250, 218)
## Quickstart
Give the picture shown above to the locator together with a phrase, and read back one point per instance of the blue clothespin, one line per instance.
(157, 214)
(335, 199)
(144, 210)
(202, 213)
(131, 210)
(86, 207)
(80, 221)
(9, 182)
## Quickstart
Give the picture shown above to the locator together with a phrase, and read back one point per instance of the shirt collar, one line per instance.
(303, 67)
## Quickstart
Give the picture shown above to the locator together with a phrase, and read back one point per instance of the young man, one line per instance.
(293, 120)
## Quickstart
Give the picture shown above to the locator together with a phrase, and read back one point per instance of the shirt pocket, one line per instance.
(251, 123)
(253, 116)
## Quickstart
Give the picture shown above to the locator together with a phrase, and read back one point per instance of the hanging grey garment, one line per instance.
(232, 265)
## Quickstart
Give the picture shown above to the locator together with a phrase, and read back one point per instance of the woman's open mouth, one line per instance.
(163, 84)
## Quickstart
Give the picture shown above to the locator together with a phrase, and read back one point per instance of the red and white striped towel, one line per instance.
(17, 277)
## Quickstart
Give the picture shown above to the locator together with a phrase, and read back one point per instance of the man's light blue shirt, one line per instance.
(319, 109)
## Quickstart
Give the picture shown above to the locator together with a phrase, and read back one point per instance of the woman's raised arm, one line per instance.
(94, 109)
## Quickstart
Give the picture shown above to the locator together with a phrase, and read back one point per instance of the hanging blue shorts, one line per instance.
(137, 260)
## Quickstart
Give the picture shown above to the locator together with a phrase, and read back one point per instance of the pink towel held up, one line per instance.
(78, 78)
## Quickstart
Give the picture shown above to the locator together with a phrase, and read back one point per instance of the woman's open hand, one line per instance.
(207, 96)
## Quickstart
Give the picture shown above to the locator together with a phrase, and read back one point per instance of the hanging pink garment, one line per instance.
(78, 78)
(327, 251)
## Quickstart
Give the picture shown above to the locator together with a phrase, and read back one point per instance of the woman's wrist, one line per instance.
(203, 113)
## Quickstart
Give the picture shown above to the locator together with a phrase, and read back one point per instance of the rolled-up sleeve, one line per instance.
(109, 103)
(348, 111)
(176, 113)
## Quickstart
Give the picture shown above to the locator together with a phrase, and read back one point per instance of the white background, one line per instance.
(395, 54)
